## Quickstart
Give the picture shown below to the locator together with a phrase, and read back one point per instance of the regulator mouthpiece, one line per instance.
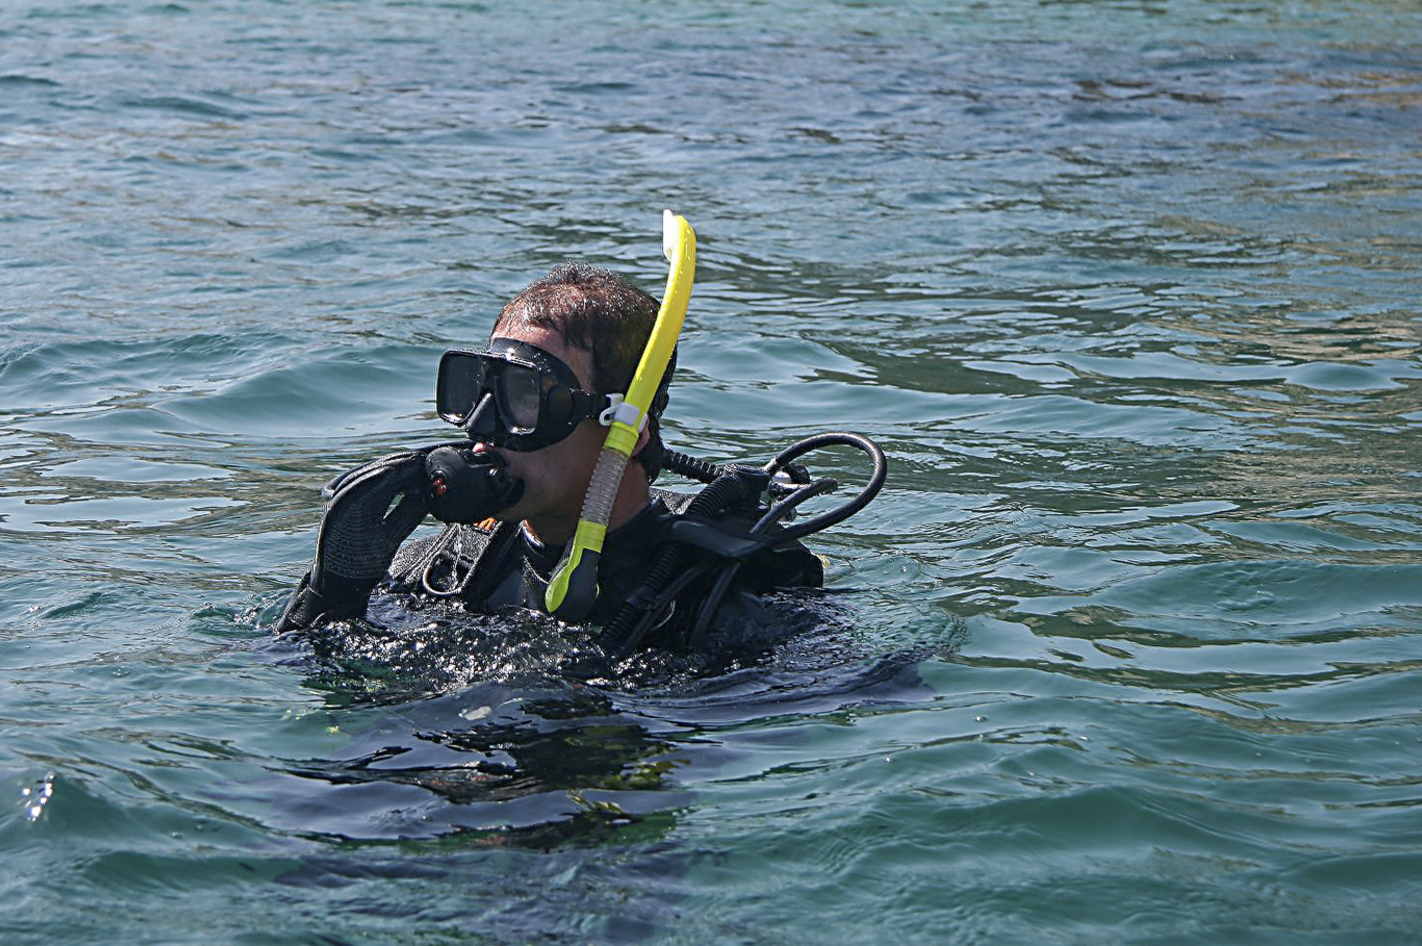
(464, 486)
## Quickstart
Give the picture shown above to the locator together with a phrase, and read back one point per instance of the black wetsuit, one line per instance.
(489, 569)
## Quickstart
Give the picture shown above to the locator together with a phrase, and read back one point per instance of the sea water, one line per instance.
(1128, 649)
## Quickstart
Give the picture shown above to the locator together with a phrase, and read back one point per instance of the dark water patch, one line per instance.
(135, 470)
(316, 252)
(17, 81)
(77, 607)
(1286, 596)
(206, 384)
(526, 735)
(297, 399)
(33, 374)
(183, 106)
(76, 11)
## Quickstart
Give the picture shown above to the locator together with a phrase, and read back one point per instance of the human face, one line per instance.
(514, 395)
(555, 477)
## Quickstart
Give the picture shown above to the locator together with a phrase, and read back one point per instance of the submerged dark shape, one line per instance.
(512, 729)
(412, 647)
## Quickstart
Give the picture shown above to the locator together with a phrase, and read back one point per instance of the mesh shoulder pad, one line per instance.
(676, 502)
(441, 557)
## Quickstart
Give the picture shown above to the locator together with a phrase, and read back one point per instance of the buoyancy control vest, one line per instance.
(496, 565)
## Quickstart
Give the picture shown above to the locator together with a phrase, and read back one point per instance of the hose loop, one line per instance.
(731, 486)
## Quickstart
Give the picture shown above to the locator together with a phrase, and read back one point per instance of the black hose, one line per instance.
(649, 614)
(692, 468)
(787, 505)
(840, 513)
(728, 486)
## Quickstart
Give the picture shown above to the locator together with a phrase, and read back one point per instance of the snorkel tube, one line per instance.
(572, 588)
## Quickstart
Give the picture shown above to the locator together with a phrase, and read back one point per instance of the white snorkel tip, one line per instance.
(669, 234)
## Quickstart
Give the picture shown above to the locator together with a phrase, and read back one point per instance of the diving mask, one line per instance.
(515, 395)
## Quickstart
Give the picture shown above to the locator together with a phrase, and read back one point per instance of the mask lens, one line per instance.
(461, 381)
(520, 397)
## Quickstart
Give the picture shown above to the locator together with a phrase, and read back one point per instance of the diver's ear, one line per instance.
(642, 439)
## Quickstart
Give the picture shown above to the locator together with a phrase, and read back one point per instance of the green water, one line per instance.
(1126, 290)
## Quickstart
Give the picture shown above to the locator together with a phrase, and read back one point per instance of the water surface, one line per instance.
(1127, 291)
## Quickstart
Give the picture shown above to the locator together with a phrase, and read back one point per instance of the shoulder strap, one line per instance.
(447, 565)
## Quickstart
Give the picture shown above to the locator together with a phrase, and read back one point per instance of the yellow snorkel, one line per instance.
(572, 589)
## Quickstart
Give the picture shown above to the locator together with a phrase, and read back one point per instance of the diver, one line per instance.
(549, 503)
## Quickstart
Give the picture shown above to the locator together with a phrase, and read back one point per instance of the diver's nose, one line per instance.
(481, 422)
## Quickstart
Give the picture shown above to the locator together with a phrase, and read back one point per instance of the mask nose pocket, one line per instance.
(482, 423)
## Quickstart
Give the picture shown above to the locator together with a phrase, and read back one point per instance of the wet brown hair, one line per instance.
(602, 313)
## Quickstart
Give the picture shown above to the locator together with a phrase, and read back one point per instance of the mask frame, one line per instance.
(515, 395)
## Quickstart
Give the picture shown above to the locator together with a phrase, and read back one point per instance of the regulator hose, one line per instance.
(693, 468)
(730, 485)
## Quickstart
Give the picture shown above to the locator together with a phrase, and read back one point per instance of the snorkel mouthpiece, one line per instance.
(464, 486)
(572, 587)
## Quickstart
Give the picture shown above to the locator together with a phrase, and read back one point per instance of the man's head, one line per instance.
(596, 324)
(599, 312)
